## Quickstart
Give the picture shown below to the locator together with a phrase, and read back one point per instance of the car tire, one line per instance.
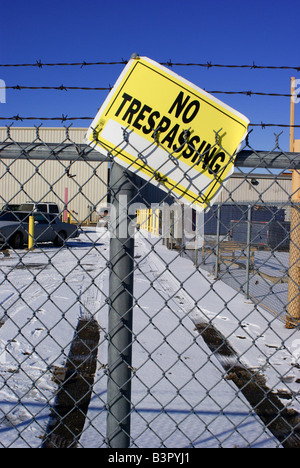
(17, 241)
(60, 239)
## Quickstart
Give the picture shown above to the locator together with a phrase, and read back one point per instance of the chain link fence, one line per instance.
(130, 320)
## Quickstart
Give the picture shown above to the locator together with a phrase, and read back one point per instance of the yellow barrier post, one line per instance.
(156, 231)
(31, 233)
(149, 214)
(141, 218)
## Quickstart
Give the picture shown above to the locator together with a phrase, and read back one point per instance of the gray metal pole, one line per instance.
(196, 241)
(217, 261)
(70, 152)
(120, 311)
(248, 252)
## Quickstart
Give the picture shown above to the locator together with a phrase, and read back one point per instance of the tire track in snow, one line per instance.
(69, 413)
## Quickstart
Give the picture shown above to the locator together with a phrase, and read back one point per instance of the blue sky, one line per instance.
(198, 31)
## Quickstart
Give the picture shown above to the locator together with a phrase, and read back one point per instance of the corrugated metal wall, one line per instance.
(22, 181)
(261, 188)
(49, 180)
(265, 187)
(46, 134)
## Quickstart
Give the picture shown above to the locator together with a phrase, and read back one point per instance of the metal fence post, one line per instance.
(217, 261)
(182, 247)
(196, 241)
(120, 311)
(293, 302)
(248, 252)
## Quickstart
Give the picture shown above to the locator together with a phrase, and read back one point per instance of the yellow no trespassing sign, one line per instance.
(169, 132)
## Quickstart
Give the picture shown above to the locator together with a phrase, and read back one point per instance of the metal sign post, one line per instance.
(120, 310)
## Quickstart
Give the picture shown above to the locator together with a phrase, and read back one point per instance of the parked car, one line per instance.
(47, 228)
(43, 207)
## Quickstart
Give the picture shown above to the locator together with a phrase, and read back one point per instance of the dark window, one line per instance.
(53, 209)
(42, 207)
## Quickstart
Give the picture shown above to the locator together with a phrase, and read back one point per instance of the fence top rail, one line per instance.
(268, 159)
(68, 151)
(65, 151)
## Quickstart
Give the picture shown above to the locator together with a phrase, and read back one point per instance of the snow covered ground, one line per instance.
(179, 395)
(268, 280)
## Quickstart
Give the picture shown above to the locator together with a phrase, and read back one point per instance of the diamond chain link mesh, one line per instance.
(212, 353)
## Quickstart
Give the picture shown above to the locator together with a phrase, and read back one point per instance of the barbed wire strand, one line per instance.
(169, 63)
(64, 118)
(109, 88)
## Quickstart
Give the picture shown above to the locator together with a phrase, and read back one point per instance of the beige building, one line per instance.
(259, 188)
(84, 183)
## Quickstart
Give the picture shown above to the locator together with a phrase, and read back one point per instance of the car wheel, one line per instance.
(60, 239)
(17, 241)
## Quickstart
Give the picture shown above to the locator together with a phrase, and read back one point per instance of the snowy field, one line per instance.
(179, 395)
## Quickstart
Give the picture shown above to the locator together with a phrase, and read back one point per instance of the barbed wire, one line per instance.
(169, 63)
(109, 88)
(57, 88)
(62, 118)
(82, 64)
(65, 118)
